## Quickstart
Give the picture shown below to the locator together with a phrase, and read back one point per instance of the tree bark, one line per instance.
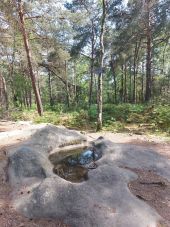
(148, 57)
(142, 91)
(67, 88)
(3, 92)
(135, 66)
(130, 83)
(122, 84)
(75, 83)
(148, 70)
(92, 65)
(30, 99)
(28, 53)
(100, 78)
(112, 64)
(50, 89)
(134, 73)
(125, 83)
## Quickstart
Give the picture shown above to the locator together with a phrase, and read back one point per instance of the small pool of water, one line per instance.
(75, 167)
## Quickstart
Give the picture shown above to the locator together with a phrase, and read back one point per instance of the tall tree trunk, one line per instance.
(142, 91)
(6, 94)
(75, 83)
(130, 83)
(112, 64)
(3, 92)
(100, 78)
(92, 65)
(134, 74)
(28, 53)
(122, 85)
(50, 89)
(96, 87)
(135, 65)
(125, 86)
(67, 88)
(148, 58)
(24, 99)
(11, 71)
(30, 99)
(27, 98)
(148, 70)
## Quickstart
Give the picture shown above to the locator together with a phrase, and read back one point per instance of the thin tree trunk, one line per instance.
(92, 65)
(38, 85)
(67, 88)
(122, 85)
(114, 79)
(136, 94)
(12, 62)
(28, 53)
(142, 91)
(135, 65)
(50, 89)
(96, 87)
(3, 92)
(125, 83)
(134, 75)
(30, 99)
(148, 58)
(130, 83)
(100, 78)
(148, 71)
(24, 99)
(75, 83)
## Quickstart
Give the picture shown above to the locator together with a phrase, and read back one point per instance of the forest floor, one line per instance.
(155, 192)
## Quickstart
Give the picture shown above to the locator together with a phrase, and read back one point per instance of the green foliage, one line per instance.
(20, 115)
(116, 118)
(76, 119)
(116, 126)
(92, 112)
(161, 117)
(73, 119)
(121, 112)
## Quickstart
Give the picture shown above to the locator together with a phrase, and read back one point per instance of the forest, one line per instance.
(84, 113)
(87, 64)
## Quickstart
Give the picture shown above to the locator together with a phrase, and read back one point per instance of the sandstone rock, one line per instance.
(101, 201)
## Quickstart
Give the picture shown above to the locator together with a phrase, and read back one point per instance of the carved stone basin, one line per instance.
(73, 164)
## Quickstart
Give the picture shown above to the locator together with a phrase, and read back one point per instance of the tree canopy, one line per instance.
(83, 53)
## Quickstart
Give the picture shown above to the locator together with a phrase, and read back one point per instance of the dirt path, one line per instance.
(154, 190)
(9, 217)
(159, 144)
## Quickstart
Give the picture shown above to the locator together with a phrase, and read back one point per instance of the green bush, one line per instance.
(136, 118)
(115, 117)
(161, 117)
(92, 112)
(114, 126)
(121, 112)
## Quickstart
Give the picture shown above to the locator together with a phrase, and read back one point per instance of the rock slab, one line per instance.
(101, 201)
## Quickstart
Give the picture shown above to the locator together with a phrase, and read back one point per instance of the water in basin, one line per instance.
(75, 167)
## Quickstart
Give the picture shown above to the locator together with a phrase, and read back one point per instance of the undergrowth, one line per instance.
(116, 118)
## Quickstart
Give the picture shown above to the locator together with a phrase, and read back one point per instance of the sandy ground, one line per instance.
(159, 144)
(9, 217)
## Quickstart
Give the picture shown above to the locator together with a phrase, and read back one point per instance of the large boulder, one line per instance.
(103, 200)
